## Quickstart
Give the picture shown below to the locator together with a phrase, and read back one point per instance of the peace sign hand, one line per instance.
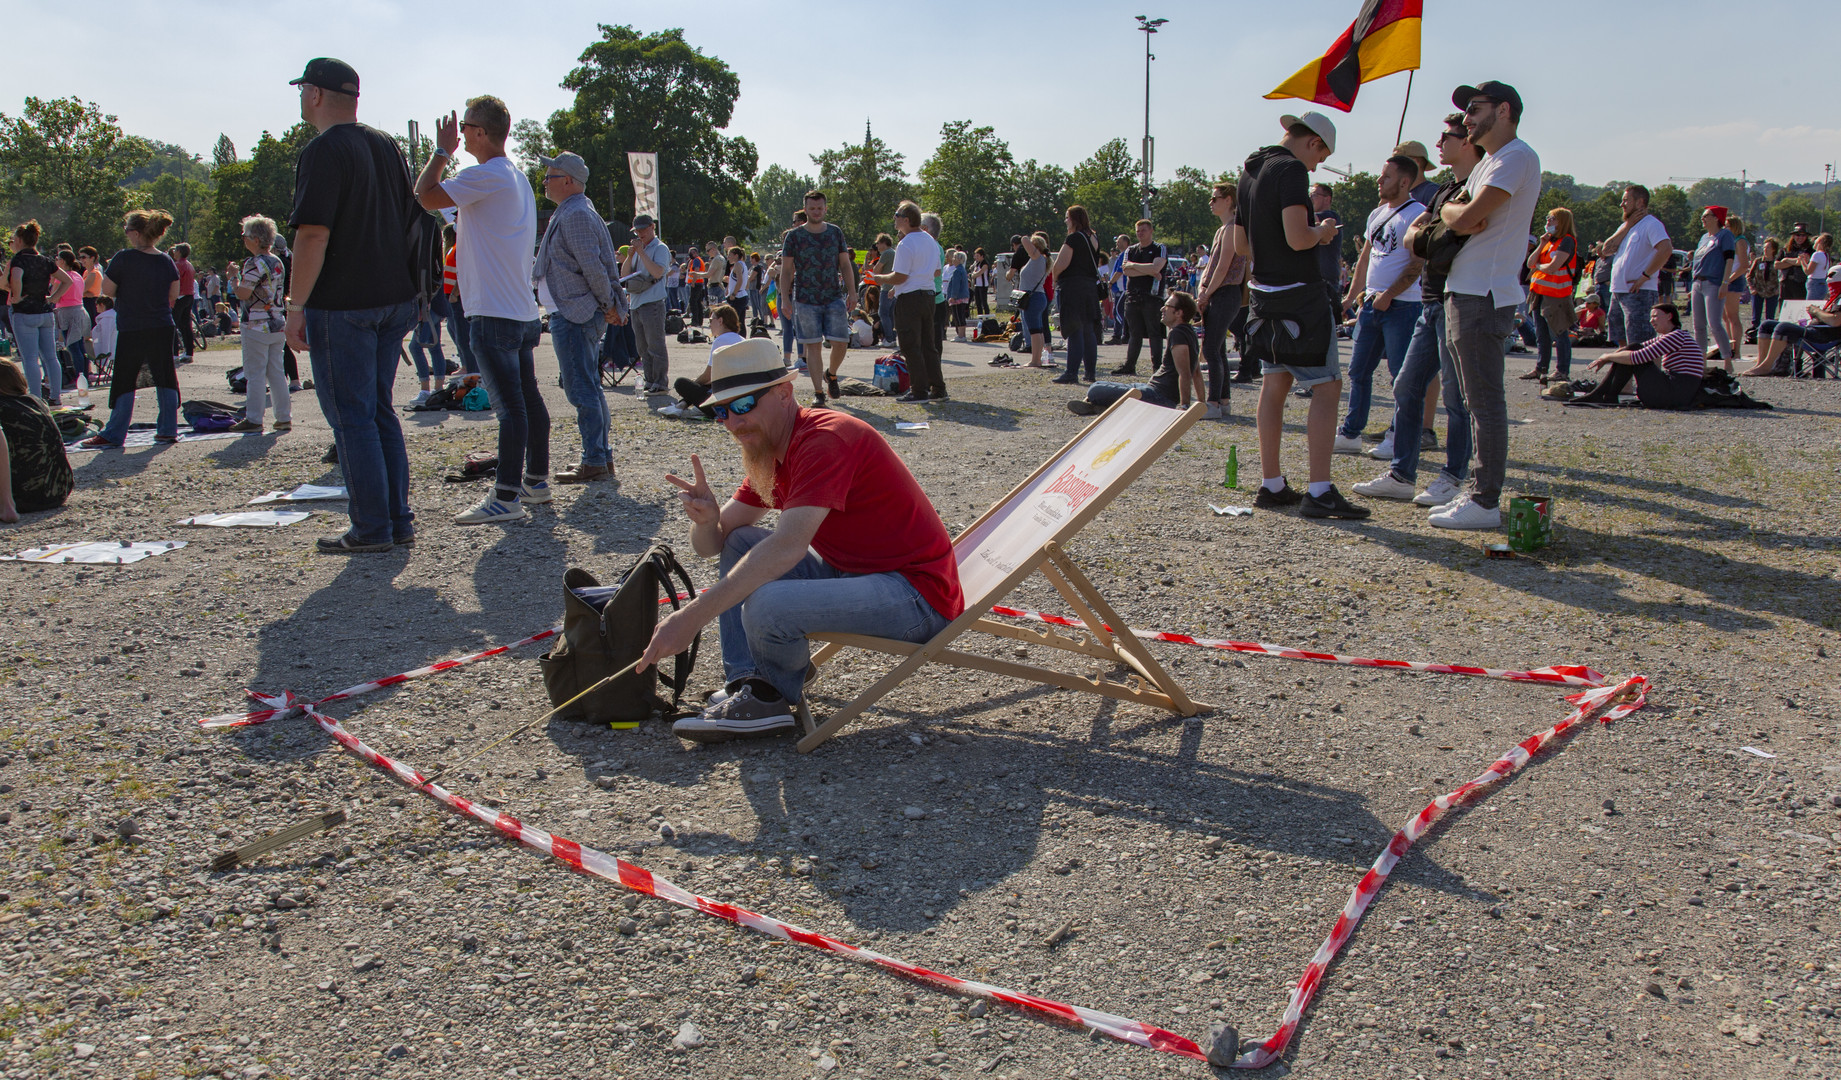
(699, 501)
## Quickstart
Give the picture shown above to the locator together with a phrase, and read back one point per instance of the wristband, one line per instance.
(293, 307)
(443, 152)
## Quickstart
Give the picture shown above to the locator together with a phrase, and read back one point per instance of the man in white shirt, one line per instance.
(1643, 248)
(1385, 292)
(1484, 285)
(910, 282)
(498, 226)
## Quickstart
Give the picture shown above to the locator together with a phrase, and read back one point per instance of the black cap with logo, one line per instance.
(1495, 91)
(329, 74)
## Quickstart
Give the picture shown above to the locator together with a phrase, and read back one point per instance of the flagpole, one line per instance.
(1409, 97)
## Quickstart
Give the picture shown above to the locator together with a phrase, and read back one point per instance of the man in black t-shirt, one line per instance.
(1143, 270)
(352, 299)
(1292, 324)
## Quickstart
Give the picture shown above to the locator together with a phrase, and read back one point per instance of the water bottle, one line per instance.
(1232, 479)
(83, 390)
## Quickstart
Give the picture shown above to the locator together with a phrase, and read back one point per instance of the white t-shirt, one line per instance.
(1388, 256)
(497, 239)
(1490, 262)
(1818, 272)
(918, 256)
(1633, 257)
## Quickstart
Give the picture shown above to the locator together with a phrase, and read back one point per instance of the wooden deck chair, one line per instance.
(1026, 532)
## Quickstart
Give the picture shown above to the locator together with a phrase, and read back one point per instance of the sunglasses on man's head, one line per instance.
(741, 406)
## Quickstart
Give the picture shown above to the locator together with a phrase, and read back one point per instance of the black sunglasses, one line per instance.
(741, 406)
(1477, 105)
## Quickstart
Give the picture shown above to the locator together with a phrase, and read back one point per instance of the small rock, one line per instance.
(128, 827)
(1061, 933)
(1412, 729)
(825, 1063)
(1610, 806)
(84, 1050)
(1223, 1045)
(913, 813)
(284, 902)
(667, 833)
(1654, 989)
(750, 976)
(1750, 1035)
(628, 927)
(469, 942)
(396, 1052)
(978, 1009)
(367, 962)
(1684, 983)
(688, 1037)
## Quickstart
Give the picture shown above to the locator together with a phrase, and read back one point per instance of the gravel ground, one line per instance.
(1647, 900)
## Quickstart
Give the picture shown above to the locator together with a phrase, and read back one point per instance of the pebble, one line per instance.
(688, 1037)
(913, 813)
(825, 1063)
(84, 1050)
(396, 1052)
(367, 962)
(128, 827)
(978, 1009)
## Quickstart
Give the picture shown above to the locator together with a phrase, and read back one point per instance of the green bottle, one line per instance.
(1232, 480)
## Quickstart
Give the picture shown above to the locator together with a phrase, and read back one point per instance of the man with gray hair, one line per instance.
(647, 260)
(578, 263)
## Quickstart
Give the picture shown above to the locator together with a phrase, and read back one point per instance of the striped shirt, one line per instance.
(1676, 351)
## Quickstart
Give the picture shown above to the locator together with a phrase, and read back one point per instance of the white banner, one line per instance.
(643, 168)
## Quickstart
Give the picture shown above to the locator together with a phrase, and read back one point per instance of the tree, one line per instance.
(1787, 211)
(530, 140)
(264, 184)
(863, 182)
(1107, 185)
(63, 162)
(224, 152)
(189, 201)
(1181, 210)
(167, 159)
(780, 193)
(1037, 202)
(655, 92)
(1353, 200)
(1596, 219)
(969, 182)
(1670, 203)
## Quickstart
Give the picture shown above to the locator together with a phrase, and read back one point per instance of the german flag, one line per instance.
(1383, 39)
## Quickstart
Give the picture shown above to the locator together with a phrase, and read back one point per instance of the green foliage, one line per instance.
(655, 92)
(1670, 203)
(1181, 210)
(1038, 201)
(1107, 184)
(969, 181)
(223, 152)
(168, 160)
(189, 201)
(63, 162)
(863, 183)
(780, 193)
(262, 185)
(1787, 211)
(530, 140)
(1597, 218)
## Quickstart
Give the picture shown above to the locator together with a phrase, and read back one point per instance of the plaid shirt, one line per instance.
(578, 261)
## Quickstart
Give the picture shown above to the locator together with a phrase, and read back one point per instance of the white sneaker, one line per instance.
(1349, 445)
(1384, 450)
(492, 511)
(1385, 486)
(421, 396)
(1465, 514)
(675, 410)
(535, 490)
(1215, 412)
(1440, 492)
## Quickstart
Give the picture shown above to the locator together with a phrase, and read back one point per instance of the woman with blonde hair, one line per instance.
(263, 315)
(1735, 293)
(1553, 274)
(1033, 307)
(144, 283)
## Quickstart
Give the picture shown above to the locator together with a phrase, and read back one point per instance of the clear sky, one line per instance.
(1613, 90)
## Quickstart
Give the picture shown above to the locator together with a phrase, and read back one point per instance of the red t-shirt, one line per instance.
(1592, 319)
(880, 519)
(188, 278)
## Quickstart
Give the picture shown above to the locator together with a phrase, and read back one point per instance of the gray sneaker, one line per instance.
(739, 715)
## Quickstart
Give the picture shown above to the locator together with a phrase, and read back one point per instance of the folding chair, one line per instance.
(1026, 532)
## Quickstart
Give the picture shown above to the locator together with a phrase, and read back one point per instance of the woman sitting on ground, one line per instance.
(727, 323)
(34, 473)
(1667, 369)
(1173, 384)
(1775, 336)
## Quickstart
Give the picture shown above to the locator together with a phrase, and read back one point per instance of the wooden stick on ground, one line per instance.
(230, 860)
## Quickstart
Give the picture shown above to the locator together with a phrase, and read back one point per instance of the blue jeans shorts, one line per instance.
(813, 323)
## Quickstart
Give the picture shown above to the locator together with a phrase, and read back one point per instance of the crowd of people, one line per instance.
(1445, 282)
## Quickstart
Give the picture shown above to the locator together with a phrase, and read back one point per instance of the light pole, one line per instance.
(1828, 174)
(1149, 26)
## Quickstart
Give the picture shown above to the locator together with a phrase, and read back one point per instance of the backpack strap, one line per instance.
(670, 572)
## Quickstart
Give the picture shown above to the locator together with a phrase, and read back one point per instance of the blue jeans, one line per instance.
(885, 311)
(1083, 347)
(578, 357)
(354, 356)
(426, 338)
(816, 323)
(1550, 340)
(457, 333)
(507, 353)
(1629, 321)
(1377, 333)
(765, 635)
(1035, 313)
(1104, 394)
(1428, 357)
(38, 353)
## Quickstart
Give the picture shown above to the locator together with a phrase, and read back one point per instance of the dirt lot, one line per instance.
(1647, 900)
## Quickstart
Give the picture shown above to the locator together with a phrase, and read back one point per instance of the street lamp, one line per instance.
(1149, 26)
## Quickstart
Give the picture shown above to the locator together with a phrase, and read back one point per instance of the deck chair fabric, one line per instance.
(1024, 533)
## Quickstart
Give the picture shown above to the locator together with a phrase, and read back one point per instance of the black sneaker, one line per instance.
(1267, 499)
(831, 386)
(1125, 369)
(938, 394)
(818, 402)
(331, 456)
(1331, 504)
(911, 397)
(1082, 407)
(742, 714)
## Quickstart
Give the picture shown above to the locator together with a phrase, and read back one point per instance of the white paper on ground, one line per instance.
(1755, 752)
(117, 552)
(1231, 511)
(303, 493)
(257, 518)
(144, 437)
(910, 426)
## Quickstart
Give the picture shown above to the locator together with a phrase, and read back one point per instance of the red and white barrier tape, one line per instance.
(1634, 688)
(1564, 675)
(1625, 698)
(285, 702)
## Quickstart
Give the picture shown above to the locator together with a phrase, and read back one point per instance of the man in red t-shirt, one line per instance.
(884, 564)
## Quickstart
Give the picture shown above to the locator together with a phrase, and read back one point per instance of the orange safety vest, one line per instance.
(1542, 283)
(698, 271)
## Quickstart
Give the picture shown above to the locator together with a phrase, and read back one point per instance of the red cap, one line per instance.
(1719, 214)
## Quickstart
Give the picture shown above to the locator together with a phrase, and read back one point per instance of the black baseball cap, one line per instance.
(329, 74)
(1493, 90)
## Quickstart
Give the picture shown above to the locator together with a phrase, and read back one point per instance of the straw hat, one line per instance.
(746, 367)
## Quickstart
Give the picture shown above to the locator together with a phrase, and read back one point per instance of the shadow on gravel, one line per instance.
(236, 453)
(973, 414)
(104, 465)
(619, 525)
(1657, 487)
